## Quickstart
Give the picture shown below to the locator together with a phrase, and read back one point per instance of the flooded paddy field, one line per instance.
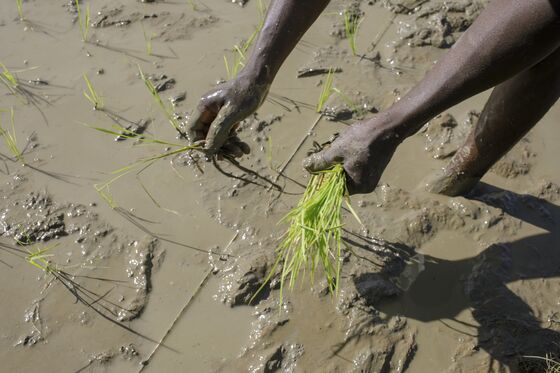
(154, 271)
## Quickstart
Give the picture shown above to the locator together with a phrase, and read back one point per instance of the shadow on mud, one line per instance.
(507, 329)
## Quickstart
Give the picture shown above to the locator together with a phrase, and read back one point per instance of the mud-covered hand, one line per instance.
(221, 109)
(363, 149)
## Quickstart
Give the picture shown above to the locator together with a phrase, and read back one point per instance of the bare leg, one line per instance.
(513, 108)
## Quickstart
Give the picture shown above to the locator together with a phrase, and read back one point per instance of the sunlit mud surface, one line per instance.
(160, 278)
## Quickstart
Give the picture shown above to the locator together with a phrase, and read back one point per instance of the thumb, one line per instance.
(321, 161)
(219, 131)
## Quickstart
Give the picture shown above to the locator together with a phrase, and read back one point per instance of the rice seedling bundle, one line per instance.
(314, 236)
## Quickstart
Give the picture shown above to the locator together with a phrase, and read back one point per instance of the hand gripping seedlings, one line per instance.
(314, 236)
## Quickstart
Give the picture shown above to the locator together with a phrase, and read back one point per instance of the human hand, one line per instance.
(220, 110)
(364, 150)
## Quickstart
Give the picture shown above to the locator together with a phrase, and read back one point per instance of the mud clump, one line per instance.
(182, 29)
(32, 316)
(281, 359)
(241, 278)
(140, 263)
(403, 6)
(32, 219)
(353, 12)
(444, 135)
(432, 24)
(518, 161)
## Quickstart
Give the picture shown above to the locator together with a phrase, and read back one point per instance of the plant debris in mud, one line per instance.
(314, 237)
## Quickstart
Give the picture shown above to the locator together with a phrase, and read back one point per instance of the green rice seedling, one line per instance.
(19, 4)
(92, 95)
(240, 51)
(192, 5)
(173, 121)
(345, 98)
(148, 40)
(351, 26)
(9, 79)
(238, 60)
(326, 92)
(39, 259)
(172, 149)
(83, 20)
(23, 92)
(314, 236)
(10, 139)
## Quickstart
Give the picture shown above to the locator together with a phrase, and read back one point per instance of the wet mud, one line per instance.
(164, 278)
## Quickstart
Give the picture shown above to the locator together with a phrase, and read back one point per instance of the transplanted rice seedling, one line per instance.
(326, 92)
(148, 41)
(238, 60)
(192, 4)
(240, 51)
(19, 4)
(22, 91)
(83, 20)
(9, 79)
(157, 98)
(117, 130)
(314, 236)
(351, 26)
(92, 95)
(10, 139)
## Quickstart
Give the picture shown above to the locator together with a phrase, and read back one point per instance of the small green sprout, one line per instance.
(83, 20)
(351, 26)
(10, 139)
(19, 4)
(173, 121)
(92, 95)
(326, 92)
(148, 40)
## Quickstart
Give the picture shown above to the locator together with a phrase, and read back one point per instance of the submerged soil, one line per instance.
(161, 280)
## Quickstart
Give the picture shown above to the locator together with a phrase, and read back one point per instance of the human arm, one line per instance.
(220, 109)
(508, 37)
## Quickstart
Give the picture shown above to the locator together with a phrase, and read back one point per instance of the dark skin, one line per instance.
(512, 40)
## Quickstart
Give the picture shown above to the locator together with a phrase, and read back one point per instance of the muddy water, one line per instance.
(424, 289)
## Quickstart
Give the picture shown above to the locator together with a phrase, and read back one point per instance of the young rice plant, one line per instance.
(326, 92)
(240, 51)
(157, 98)
(10, 139)
(19, 4)
(92, 95)
(314, 236)
(351, 26)
(83, 20)
(172, 149)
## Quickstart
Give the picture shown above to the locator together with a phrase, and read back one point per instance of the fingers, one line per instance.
(220, 129)
(322, 160)
(198, 123)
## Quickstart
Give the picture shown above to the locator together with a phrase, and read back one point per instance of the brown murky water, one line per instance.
(435, 284)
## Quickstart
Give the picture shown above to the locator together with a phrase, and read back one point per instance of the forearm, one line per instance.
(286, 22)
(508, 37)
